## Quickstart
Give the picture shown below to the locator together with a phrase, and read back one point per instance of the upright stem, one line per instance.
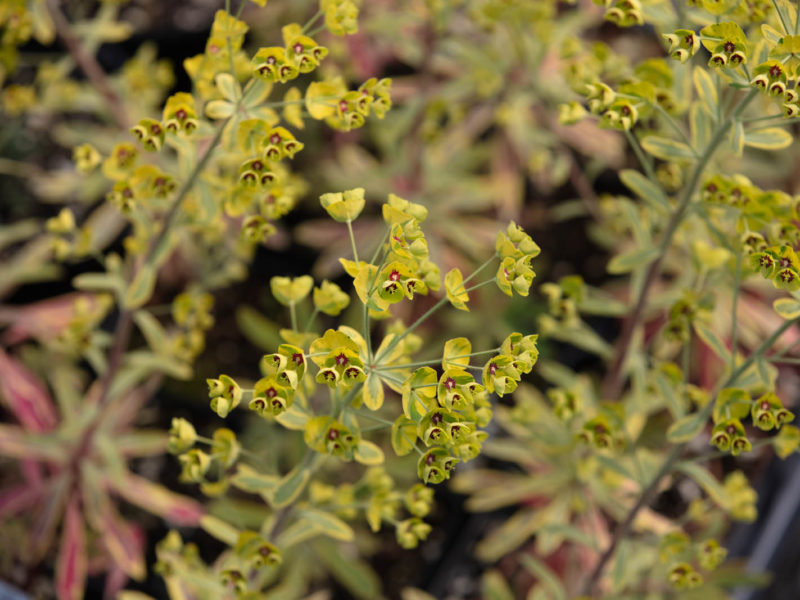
(89, 65)
(735, 307)
(352, 240)
(612, 386)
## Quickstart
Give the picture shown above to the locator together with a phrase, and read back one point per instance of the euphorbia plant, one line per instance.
(340, 401)
(356, 414)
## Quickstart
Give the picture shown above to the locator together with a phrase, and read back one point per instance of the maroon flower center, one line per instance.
(729, 47)
(342, 360)
(450, 383)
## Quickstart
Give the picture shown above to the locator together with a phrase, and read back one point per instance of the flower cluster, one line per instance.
(733, 405)
(686, 558)
(516, 249)
(624, 13)
(405, 269)
(345, 109)
(300, 54)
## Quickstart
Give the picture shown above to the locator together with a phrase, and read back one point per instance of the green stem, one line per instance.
(314, 314)
(352, 240)
(315, 31)
(478, 270)
(375, 418)
(293, 316)
(784, 361)
(782, 18)
(479, 285)
(310, 22)
(646, 163)
(734, 310)
(614, 381)
(436, 361)
(764, 118)
(412, 327)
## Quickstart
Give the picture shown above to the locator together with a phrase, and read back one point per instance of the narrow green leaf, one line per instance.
(296, 533)
(354, 574)
(771, 138)
(258, 329)
(329, 524)
(547, 578)
(151, 329)
(645, 189)
(224, 532)
(686, 428)
(771, 34)
(705, 480)
(628, 261)
(667, 149)
(141, 289)
(373, 391)
(701, 125)
(706, 90)
(788, 308)
(100, 282)
(290, 487)
(494, 586)
(250, 480)
(712, 340)
(738, 138)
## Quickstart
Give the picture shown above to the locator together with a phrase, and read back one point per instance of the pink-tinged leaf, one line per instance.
(115, 581)
(71, 564)
(124, 543)
(32, 471)
(25, 395)
(16, 443)
(177, 509)
(44, 527)
(43, 320)
(17, 499)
